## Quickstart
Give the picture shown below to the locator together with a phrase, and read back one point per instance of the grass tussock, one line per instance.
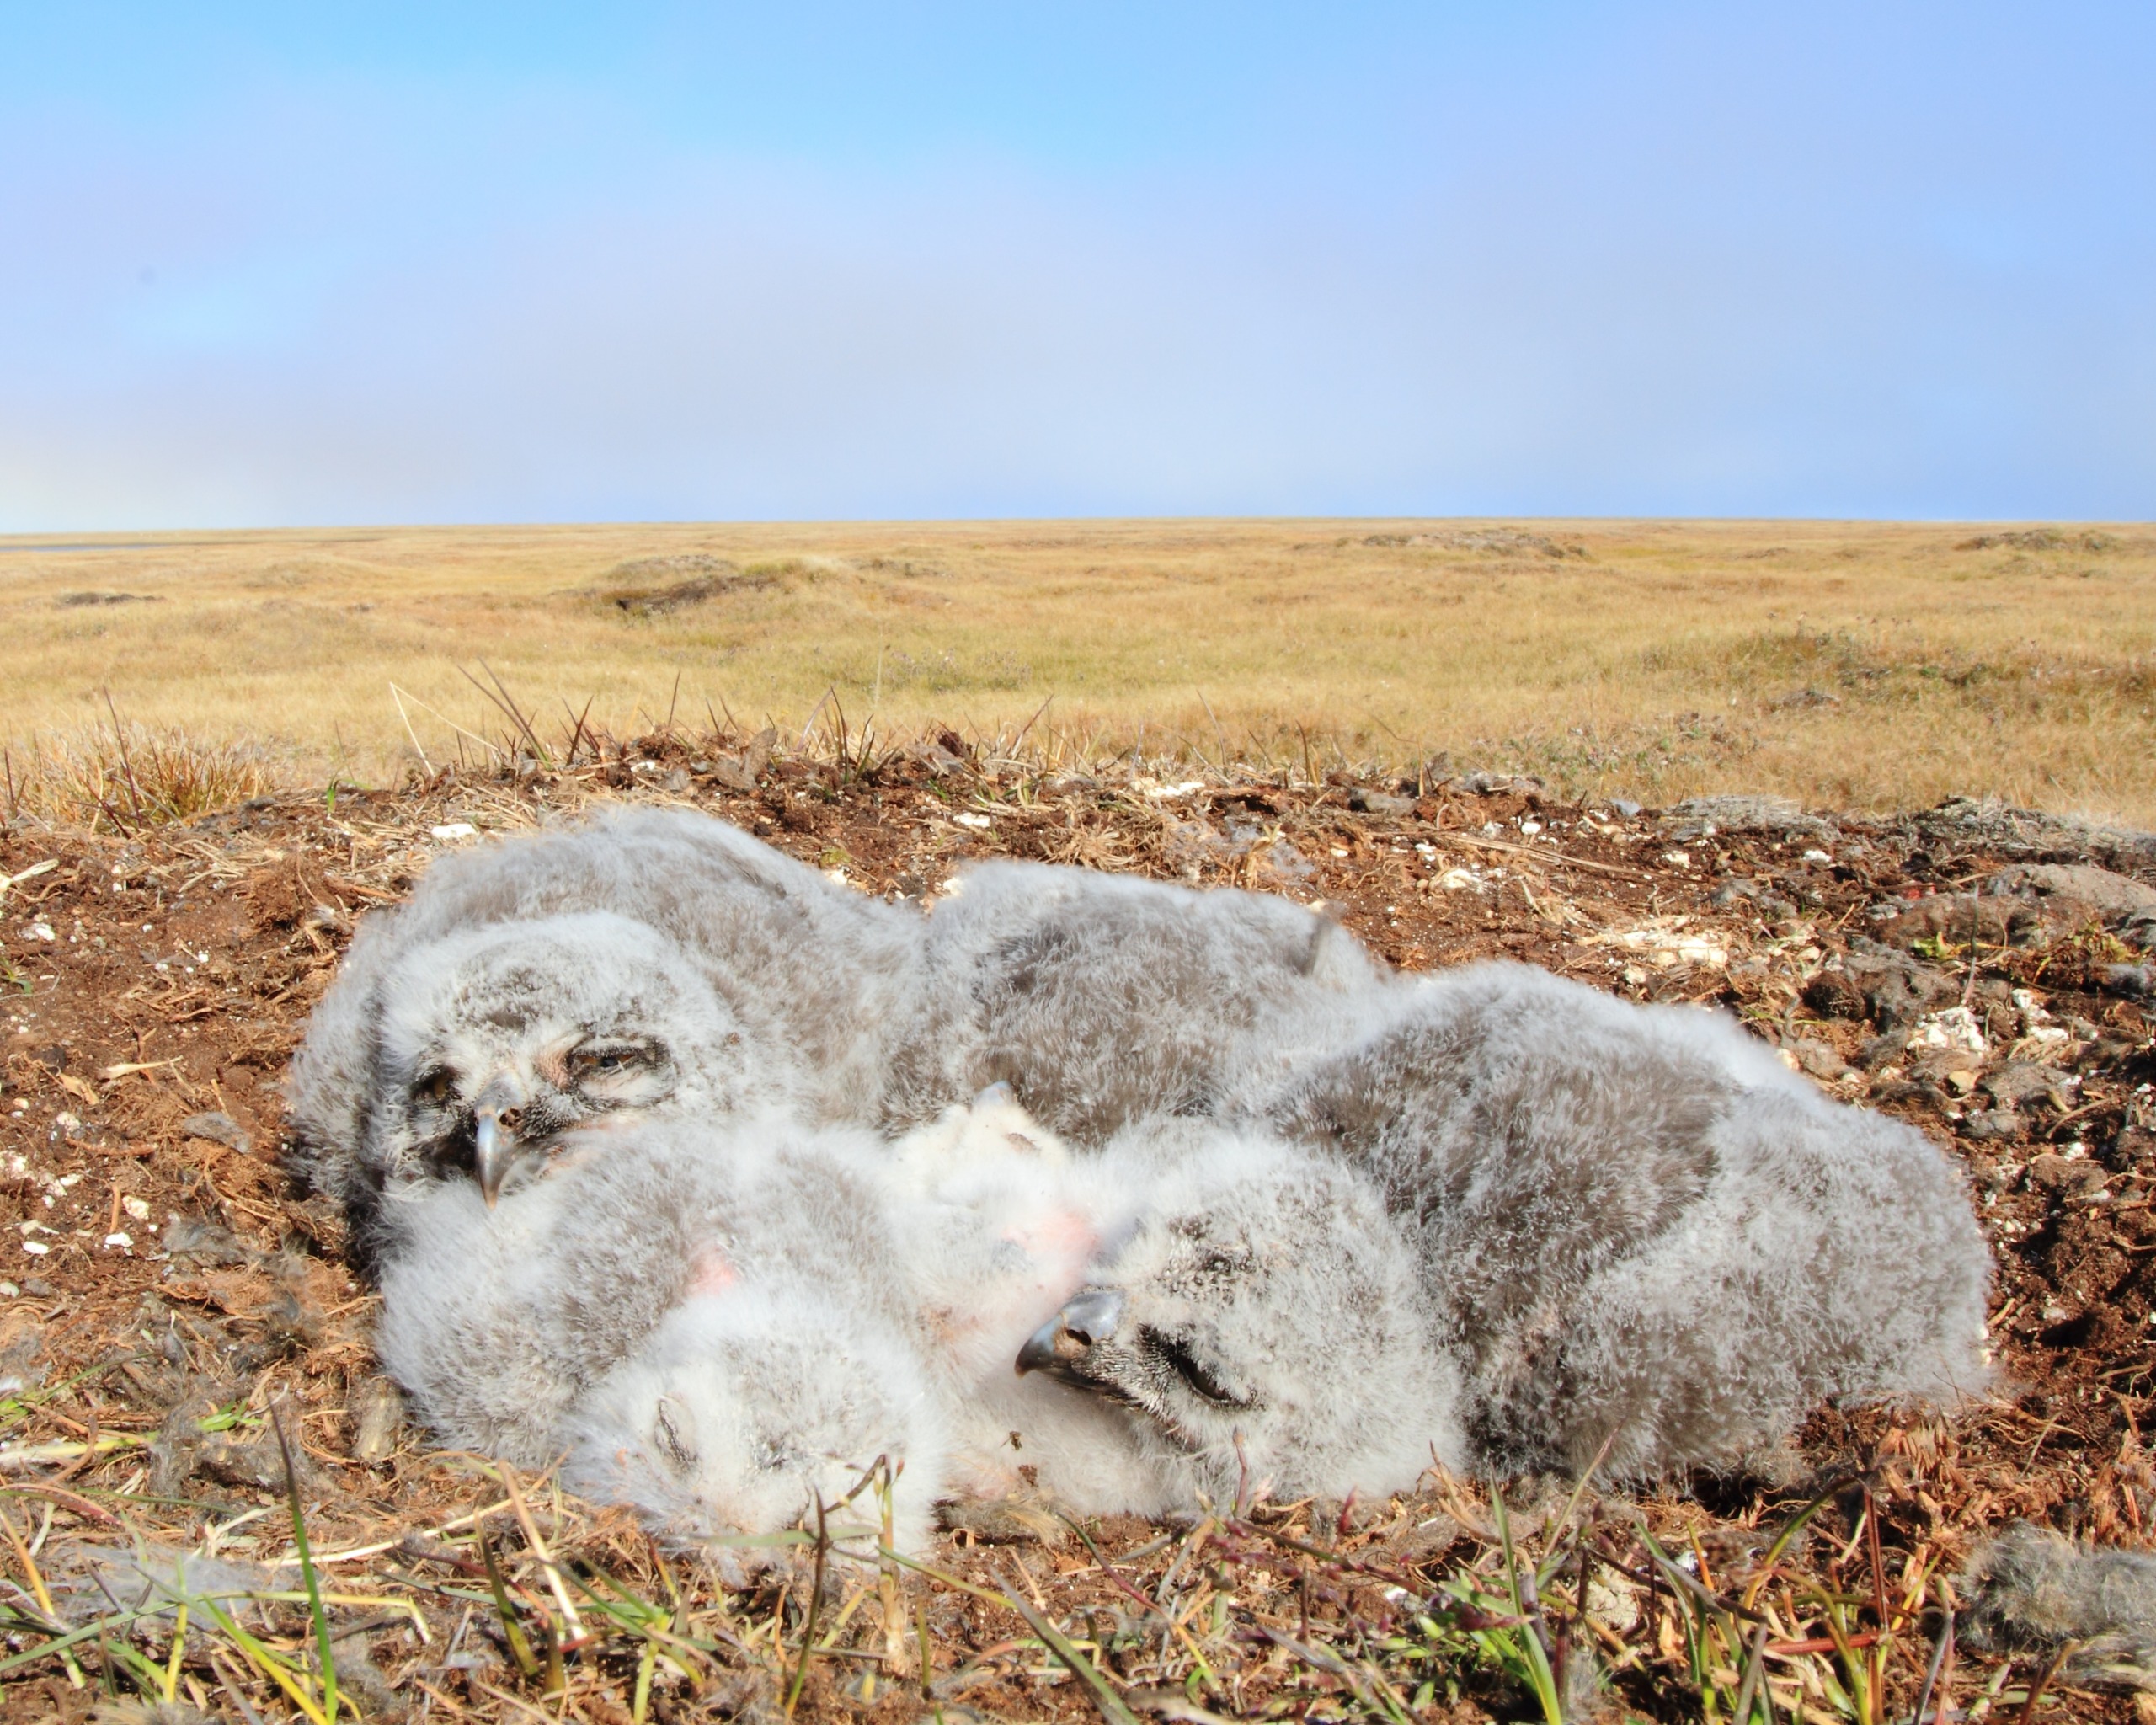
(122, 777)
(1849, 665)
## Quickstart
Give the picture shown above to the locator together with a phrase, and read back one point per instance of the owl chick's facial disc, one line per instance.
(494, 1042)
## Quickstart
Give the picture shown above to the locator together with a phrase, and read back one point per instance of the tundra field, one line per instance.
(1848, 666)
(186, 1386)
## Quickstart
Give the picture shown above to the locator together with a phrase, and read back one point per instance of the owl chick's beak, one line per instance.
(496, 1116)
(1089, 1317)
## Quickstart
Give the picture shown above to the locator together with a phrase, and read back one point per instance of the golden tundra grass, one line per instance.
(1851, 664)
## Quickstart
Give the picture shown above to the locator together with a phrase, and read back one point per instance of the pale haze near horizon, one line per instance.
(545, 264)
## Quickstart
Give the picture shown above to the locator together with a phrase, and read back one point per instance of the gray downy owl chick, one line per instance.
(817, 977)
(1261, 1321)
(1642, 1241)
(1101, 999)
(749, 1408)
(494, 1042)
(1642, 1230)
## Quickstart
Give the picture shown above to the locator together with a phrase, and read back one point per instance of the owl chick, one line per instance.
(812, 979)
(1101, 999)
(747, 1409)
(1638, 1239)
(1261, 1320)
(491, 1043)
(720, 1323)
(498, 1322)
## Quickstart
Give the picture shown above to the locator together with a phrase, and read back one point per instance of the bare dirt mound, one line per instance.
(169, 1298)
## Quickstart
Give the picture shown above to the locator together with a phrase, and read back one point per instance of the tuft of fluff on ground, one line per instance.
(2034, 1591)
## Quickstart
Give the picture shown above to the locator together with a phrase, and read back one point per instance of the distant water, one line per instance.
(116, 545)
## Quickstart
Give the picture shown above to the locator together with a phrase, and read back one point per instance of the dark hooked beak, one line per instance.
(496, 1117)
(1089, 1317)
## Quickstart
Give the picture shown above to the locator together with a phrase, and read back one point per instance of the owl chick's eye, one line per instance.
(610, 1058)
(1177, 1355)
(434, 1088)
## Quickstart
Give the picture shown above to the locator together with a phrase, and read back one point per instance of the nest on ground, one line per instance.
(190, 1409)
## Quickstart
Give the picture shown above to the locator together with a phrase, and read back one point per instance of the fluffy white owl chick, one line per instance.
(497, 1321)
(719, 1319)
(1260, 1317)
(752, 1405)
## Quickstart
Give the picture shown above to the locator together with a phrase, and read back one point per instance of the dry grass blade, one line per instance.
(294, 1684)
(1113, 1708)
(1942, 1651)
(520, 1646)
(31, 873)
(815, 1605)
(1755, 1670)
(508, 703)
(577, 726)
(29, 1567)
(538, 1547)
(2051, 1672)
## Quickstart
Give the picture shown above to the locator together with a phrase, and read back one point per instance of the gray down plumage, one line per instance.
(498, 1321)
(1099, 999)
(1260, 1319)
(1103, 999)
(1622, 1227)
(810, 978)
(1639, 1237)
(716, 1323)
(2032, 1591)
(719, 1323)
(490, 1043)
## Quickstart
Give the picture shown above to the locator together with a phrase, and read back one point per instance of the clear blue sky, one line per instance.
(305, 264)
